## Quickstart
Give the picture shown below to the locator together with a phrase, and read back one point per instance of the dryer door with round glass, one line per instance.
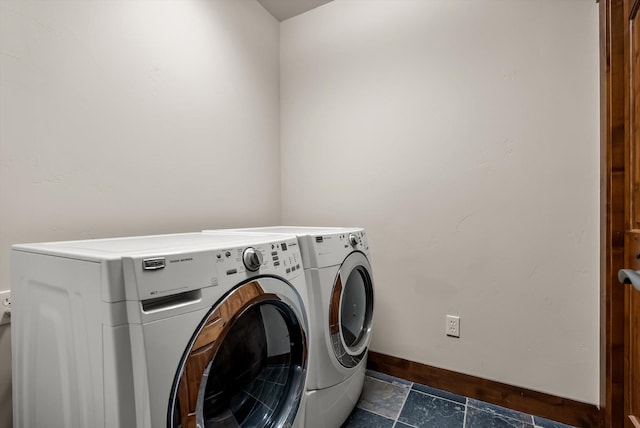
(246, 363)
(351, 310)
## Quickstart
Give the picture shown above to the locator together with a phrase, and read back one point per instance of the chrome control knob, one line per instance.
(252, 259)
(353, 239)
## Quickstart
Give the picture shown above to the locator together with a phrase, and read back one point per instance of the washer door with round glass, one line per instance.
(351, 310)
(246, 363)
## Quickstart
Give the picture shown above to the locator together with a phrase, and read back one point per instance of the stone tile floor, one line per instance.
(390, 402)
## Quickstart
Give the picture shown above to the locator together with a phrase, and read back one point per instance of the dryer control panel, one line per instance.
(332, 248)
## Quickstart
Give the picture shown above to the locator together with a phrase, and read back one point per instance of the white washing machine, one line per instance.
(341, 292)
(188, 330)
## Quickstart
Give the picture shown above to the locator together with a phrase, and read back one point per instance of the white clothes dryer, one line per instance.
(341, 292)
(188, 330)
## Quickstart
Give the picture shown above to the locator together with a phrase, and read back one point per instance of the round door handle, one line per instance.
(628, 276)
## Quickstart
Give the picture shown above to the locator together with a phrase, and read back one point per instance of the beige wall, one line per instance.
(464, 136)
(134, 117)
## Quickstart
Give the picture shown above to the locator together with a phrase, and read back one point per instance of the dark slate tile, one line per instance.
(477, 418)
(258, 416)
(273, 394)
(255, 388)
(243, 405)
(421, 410)
(401, 425)
(280, 375)
(383, 398)
(387, 378)
(362, 419)
(546, 423)
(500, 411)
(440, 393)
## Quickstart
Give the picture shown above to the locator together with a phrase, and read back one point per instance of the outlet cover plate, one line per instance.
(452, 328)
(5, 307)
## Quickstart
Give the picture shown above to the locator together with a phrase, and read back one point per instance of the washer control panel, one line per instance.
(159, 275)
(280, 258)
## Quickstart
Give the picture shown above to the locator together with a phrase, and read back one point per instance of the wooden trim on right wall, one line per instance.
(612, 170)
(525, 400)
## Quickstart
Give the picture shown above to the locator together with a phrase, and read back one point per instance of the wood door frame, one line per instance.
(613, 76)
(631, 413)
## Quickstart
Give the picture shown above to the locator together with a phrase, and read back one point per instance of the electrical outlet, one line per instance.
(5, 307)
(453, 326)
